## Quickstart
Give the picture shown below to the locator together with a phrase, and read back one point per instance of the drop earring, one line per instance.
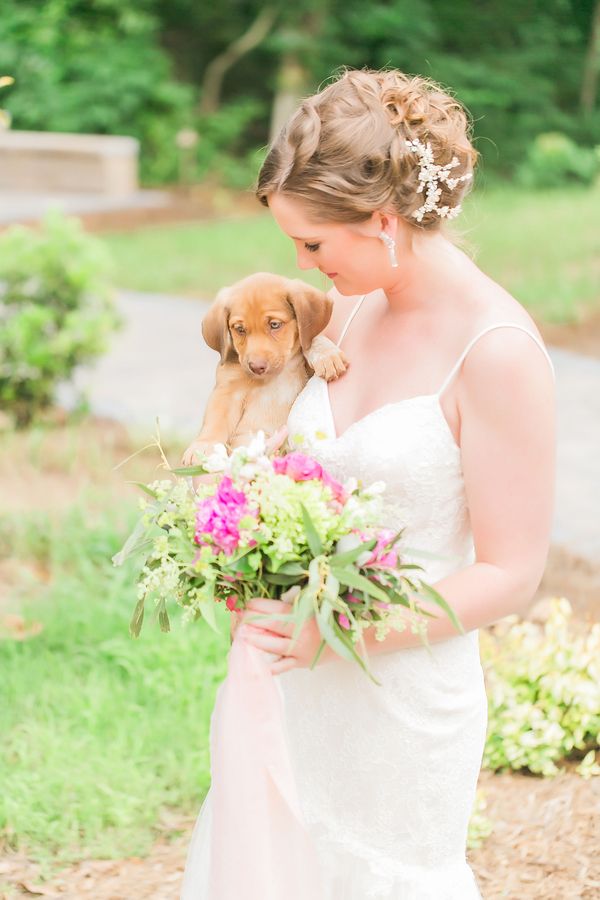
(390, 243)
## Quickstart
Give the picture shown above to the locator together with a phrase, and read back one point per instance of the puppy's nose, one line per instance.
(258, 366)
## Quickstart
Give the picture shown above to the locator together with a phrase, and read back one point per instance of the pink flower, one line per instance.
(231, 601)
(352, 599)
(385, 559)
(218, 517)
(301, 467)
(343, 620)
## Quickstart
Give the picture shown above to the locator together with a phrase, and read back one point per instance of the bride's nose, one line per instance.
(304, 260)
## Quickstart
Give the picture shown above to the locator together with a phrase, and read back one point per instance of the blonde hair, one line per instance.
(344, 151)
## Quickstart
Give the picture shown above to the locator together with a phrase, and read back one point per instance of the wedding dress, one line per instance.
(385, 776)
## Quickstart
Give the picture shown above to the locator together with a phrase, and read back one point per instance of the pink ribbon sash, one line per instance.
(260, 847)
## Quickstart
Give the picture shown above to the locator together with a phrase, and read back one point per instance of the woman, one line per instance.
(449, 399)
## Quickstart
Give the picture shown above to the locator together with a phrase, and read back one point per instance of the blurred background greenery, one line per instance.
(232, 71)
(117, 731)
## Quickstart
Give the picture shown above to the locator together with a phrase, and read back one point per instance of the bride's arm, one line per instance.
(508, 451)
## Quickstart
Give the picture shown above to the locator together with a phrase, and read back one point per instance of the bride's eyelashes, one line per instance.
(312, 248)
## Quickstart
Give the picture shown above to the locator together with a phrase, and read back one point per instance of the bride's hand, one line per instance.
(274, 636)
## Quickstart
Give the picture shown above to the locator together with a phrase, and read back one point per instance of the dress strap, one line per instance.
(349, 319)
(461, 358)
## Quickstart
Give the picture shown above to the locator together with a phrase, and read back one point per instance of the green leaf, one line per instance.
(324, 616)
(350, 556)
(292, 568)
(277, 578)
(135, 626)
(426, 591)
(338, 640)
(207, 608)
(189, 471)
(132, 543)
(312, 537)
(144, 487)
(352, 578)
(163, 618)
(305, 607)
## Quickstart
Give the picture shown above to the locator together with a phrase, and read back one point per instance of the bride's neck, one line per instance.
(426, 271)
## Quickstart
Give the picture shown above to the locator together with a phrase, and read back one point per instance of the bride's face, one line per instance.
(351, 255)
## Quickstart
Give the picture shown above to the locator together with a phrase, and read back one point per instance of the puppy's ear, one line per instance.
(215, 327)
(312, 309)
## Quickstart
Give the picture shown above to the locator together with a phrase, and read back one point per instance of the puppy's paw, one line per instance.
(326, 359)
(191, 456)
(331, 367)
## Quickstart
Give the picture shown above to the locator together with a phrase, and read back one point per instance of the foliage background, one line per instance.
(142, 69)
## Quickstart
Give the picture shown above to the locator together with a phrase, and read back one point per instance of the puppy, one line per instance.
(268, 331)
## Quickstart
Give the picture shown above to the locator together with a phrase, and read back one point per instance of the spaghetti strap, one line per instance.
(349, 319)
(461, 358)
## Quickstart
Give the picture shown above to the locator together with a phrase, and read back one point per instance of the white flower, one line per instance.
(218, 460)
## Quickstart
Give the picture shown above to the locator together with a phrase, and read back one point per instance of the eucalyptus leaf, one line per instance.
(350, 556)
(292, 568)
(135, 626)
(276, 578)
(426, 591)
(144, 487)
(352, 578)
(312, 537)
(163, 618)
(185, 471)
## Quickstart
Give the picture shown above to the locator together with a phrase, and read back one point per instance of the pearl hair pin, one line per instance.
(430, 177)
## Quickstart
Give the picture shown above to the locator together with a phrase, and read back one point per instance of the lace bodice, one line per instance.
(408, 445)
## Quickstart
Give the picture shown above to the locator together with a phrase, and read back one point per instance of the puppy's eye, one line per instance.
(312, 248)
(275, 325)
(240, 329)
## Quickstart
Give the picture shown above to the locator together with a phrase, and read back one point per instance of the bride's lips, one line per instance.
(331, 274)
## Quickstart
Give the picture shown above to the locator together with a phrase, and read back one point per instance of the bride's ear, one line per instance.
(312, 309)
(215, 327)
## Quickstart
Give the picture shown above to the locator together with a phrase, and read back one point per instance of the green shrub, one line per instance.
(543, 685)
(56, 310)
(554, 160)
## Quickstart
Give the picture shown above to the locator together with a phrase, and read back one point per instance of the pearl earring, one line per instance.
(390, 243)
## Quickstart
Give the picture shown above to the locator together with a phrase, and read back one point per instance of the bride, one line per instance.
(449, 399)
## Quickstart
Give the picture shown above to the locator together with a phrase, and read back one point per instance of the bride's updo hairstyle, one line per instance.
(344, 152)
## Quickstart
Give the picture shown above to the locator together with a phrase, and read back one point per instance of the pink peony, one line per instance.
(301, 467)
(218, 517)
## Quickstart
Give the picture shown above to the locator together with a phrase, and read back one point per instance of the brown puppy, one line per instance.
(268, 331)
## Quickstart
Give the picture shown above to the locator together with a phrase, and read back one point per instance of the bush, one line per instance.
(543, 685)
(554, 160)
(56, 310)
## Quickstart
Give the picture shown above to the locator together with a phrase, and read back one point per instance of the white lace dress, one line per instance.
(386, 775)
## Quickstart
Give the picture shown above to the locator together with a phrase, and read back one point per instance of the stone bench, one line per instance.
(49, 161)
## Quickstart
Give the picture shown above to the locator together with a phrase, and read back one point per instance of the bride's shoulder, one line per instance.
(498, 352)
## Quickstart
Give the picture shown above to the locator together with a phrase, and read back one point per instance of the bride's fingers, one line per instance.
(283, 665)
(260, 613)
(265, 640)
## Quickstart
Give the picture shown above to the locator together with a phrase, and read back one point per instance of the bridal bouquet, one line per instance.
(278, 527)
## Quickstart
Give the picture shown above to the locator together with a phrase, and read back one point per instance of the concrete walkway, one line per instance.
(159, 366)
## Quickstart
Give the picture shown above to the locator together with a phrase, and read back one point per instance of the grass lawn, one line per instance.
(100, 732)
(543, 247)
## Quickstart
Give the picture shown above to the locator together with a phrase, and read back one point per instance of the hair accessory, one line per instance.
(430, 177)
(390, 243)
